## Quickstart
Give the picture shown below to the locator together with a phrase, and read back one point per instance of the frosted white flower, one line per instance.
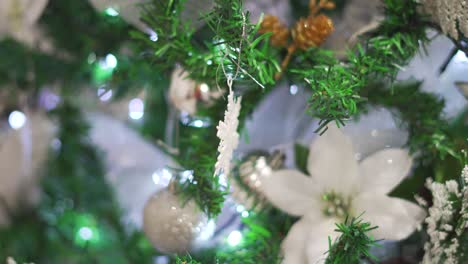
(182, 91)
(228, 135)
(443, 245)
(339, 186)
(450, 15)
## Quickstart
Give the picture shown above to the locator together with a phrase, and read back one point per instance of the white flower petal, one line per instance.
(382, 171)
(294, 244)
(317, 245)
(292, 192)
(331, 161)
(395, 218)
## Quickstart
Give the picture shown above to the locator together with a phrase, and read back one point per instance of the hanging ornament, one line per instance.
(307, 32)
(18, 19)
(451, 16)
(227, 133)
(254, 170)
(171, 226)
(23, 150)
(185, 93)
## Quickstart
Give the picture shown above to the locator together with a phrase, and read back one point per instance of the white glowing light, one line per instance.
(197, 123)
(85, 233)
(104, 94)
(209, 62)
(136, 108)
(16, 119)
(293, 89)
(234, 238)
(162, 177)
(110, 11)
(245, 214)
(153, 36)
(204, 88)
(240, 208)
(186, 176)
(111, 61)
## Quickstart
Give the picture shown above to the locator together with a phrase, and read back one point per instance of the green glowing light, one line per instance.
(110, 11)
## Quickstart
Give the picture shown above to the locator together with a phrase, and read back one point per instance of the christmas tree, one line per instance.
(215, 131)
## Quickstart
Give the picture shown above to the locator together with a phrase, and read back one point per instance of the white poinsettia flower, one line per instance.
(182, 91)
(339, 186)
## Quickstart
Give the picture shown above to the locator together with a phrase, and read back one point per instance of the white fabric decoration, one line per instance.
(448, 13)
(339, 186)
(182, 91)
(18, 19)
(227, 133)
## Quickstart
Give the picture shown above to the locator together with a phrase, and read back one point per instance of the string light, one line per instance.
(111, 12)
(104, 94)
(136, 109)
(111, 61)
(293, 89)
(204, 88)
(162, 177)
(240, 208)
(85, 233)
(153, 36)
(16, 119)
(234, 238)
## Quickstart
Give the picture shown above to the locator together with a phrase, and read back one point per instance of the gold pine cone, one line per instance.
(312, 31)
(280, 35)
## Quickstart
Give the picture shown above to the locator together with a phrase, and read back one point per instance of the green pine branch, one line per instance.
(78, 219)
(353, 244)
(336, 86)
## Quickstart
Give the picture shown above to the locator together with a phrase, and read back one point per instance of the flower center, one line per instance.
(336, 205)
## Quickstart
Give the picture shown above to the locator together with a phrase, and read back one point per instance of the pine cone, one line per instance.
(312, 31)
(280, 31)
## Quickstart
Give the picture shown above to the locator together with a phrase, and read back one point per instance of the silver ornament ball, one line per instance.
(171, 226)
